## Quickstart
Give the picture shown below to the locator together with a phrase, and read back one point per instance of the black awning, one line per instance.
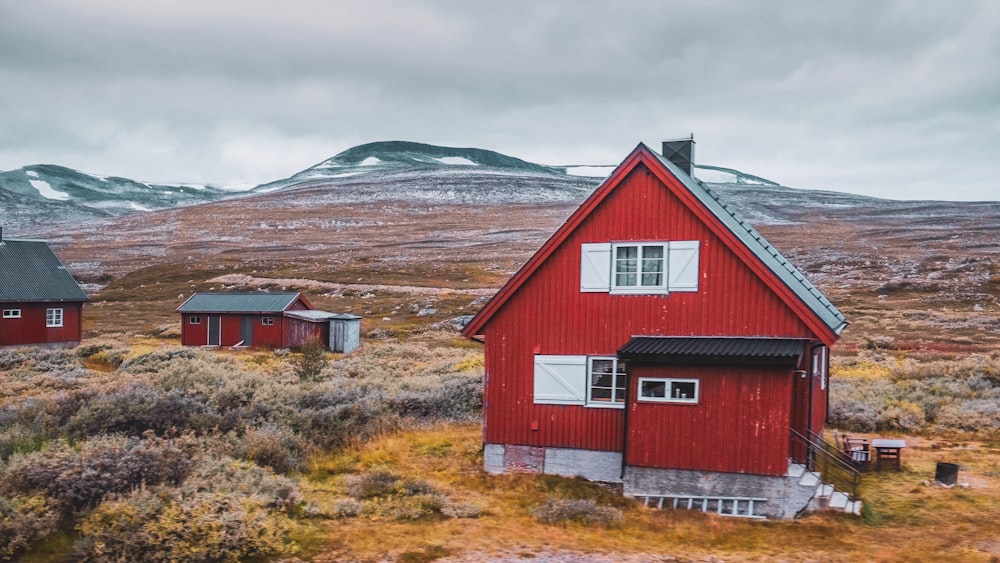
(715, 350)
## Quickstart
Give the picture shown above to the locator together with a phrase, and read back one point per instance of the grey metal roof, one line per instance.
(315, 315)
(715, 350)
(30, 271)
(756, 243)
(233, 302)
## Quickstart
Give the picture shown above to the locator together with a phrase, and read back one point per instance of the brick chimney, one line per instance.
(681, 153)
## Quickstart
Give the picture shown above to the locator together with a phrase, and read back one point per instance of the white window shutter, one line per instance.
(561, 380)
(683, 269)
(595, 267)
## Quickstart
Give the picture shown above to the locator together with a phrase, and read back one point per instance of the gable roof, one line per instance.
(241, 302)
(784, 278)
(31, 272)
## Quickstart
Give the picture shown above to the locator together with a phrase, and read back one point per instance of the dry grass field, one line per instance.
(398, 478)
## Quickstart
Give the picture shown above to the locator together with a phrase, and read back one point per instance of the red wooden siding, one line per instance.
(740, 423)
(284, 333)
(264, 336)
(549, 315)
(298, 332)
(31, 329)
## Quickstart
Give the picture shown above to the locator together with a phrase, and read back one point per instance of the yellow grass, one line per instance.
(907, 520)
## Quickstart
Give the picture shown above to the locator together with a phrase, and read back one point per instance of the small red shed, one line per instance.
(40, 301)
(658, 340)
(253, 319)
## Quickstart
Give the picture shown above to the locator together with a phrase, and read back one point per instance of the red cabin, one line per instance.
(262, 320)
(41, 303)
(659, 341)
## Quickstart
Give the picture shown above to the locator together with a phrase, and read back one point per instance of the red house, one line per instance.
(659, 341)
(40, 301)
(262, 320)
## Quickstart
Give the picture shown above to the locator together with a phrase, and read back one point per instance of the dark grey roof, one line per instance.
(258, 302)
(713, 350)
(756, 243)
(30, 271)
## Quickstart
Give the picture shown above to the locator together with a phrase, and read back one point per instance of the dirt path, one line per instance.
(250, 281)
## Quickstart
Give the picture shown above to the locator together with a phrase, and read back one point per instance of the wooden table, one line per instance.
(888, 452)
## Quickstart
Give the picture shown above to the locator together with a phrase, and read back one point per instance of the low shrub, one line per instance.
(225, 475)
(23, 521)
(371, 485)
(271, 446)
(80, 479)
(169, 527)
(584, 511)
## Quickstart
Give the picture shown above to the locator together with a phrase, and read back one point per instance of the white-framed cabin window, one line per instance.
(12, 313)
(267, 321)
(640, 267)
(53, 318)
(194, 319)
(668, 390)
(606, 382)
(819, 361)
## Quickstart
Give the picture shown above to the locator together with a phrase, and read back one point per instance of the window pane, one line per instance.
(682, 390)
(626, 265)
(652, 265)
(653, 389)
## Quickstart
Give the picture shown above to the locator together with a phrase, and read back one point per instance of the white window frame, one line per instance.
(267, 321)
(668, 381)
(12, 313)
(54, 317)
(819, 360)
(194, 320)
(601, 403)
(640, 259)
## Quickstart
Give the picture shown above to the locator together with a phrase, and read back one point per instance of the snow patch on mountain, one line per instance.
(370, 161)
(47, 191)
(456, 161)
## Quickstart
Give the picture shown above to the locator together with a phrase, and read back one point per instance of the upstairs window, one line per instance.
(12, 313)
(267, 321)
(195, 320)
(53, 318)
(639, 267)
(668, 390)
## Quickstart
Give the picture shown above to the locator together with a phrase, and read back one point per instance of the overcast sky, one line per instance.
(897, 99)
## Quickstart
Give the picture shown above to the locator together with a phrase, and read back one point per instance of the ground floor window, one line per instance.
(53, 317)
(194, 320)
(12, 313)
(668, 390)
(267, 321)
(606, 377)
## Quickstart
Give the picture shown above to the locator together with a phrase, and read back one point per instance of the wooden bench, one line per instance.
(857, 450)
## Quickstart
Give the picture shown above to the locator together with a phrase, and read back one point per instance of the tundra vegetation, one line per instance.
(131, 447)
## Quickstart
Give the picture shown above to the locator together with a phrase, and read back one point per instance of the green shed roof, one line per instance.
(248, 302)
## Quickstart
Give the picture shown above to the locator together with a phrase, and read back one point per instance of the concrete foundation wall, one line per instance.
(785, 496)
(589, 464)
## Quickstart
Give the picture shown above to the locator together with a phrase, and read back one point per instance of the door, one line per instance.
(246, 330)
(214, 330)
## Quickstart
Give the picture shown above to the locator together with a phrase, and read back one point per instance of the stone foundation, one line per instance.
(785, 496)
(592, 465)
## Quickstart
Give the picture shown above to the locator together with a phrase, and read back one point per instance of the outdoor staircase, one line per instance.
(826, 496)
(739, 507)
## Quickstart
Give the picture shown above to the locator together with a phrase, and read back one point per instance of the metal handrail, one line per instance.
(833, 465)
